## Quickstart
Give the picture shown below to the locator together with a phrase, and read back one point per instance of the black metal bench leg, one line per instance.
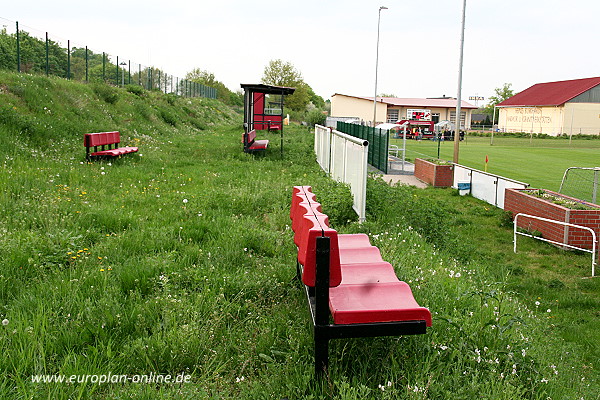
(321, 316)
(321, 351)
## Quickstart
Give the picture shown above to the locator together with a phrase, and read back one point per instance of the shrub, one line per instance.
(167, 116)
(337, 202)
(315, 117)
(107, 93)
(171, 98)
(135, 89)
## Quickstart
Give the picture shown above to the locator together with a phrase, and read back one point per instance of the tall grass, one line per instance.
(180, 259)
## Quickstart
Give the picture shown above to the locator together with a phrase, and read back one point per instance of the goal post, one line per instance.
(581, 183)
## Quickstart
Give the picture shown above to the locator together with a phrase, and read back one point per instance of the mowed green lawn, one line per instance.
(539, 162)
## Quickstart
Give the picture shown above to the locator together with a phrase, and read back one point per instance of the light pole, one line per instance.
(459, 94)
(376, 66)
(123, 64)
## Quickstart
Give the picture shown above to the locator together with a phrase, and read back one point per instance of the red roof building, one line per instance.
(554, 108)
(393, 109)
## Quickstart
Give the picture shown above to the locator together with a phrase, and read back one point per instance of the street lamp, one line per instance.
(123, 64)
(376, 66)
(459, 94)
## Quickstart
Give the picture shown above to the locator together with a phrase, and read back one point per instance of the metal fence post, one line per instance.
(68, 59)
(595, 189)
(18, 49)
(87, 76)
(47, 57)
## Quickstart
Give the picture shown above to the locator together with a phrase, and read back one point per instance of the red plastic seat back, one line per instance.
(311, 228)
(299, 194)
(101, 139)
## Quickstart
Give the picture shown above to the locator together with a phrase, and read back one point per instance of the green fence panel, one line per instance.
(378, 142)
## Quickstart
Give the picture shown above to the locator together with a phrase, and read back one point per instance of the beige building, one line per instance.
(554, 108)
(392, 109)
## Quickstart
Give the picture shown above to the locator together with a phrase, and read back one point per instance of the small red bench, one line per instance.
(251, 144)
(104, 144)
(351, 291)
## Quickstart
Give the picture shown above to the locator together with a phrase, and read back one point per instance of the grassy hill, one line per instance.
(51, 112)
(180, 260)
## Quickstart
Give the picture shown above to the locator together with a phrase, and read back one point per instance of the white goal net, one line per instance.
(581, 183)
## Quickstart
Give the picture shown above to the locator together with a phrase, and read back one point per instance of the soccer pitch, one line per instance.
(539, 162)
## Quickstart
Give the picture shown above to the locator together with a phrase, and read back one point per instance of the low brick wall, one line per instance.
(516, 202)
(434, 174)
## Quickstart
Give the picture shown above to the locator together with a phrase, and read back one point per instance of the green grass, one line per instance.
(541, 162)
(180, 259)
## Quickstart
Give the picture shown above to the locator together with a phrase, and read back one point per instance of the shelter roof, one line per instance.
(268, 89)
(550, 93)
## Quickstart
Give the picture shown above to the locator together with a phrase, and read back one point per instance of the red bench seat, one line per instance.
(347, 280)
(251, 144)
(104, 144)
(375, 302)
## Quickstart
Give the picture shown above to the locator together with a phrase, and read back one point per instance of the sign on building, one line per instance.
(418, 114)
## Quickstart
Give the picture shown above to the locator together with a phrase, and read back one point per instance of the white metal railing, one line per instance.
(593, 251)
(394, 148)
(323, 146)
(485, 186)
(344, 158)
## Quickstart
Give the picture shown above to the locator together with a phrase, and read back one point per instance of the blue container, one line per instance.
(464, 186)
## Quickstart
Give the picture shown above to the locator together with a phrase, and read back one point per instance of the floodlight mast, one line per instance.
(376, 66)
(459, 92)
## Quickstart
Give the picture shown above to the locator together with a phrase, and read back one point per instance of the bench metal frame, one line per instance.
(324, 330)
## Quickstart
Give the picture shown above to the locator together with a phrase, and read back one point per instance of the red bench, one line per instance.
(104, 144)
(251, 144)
(351, 291)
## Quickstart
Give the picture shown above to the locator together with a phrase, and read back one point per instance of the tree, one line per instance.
(280, 73)
(502, 94)
(207, 78)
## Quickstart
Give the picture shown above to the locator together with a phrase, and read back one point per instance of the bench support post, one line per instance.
(321, 351)
(321, 316)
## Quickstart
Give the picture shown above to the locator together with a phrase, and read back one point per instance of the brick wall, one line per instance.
(434, 174)
(517, 202)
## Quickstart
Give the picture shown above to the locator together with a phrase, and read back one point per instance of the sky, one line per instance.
(333, 43)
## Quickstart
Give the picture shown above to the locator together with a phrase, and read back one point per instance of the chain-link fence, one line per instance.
(28, 50)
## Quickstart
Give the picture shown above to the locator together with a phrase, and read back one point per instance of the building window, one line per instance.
(435, 117)
(392, 116)
(463, 115)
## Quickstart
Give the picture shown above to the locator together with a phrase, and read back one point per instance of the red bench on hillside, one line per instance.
(347, 280)
(104, 144)
(251, 144)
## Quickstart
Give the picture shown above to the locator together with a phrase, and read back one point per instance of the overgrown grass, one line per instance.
(181, 260)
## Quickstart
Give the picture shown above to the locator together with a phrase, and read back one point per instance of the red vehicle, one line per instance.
(416, 129)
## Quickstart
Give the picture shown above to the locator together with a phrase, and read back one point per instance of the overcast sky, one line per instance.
(333, 42)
